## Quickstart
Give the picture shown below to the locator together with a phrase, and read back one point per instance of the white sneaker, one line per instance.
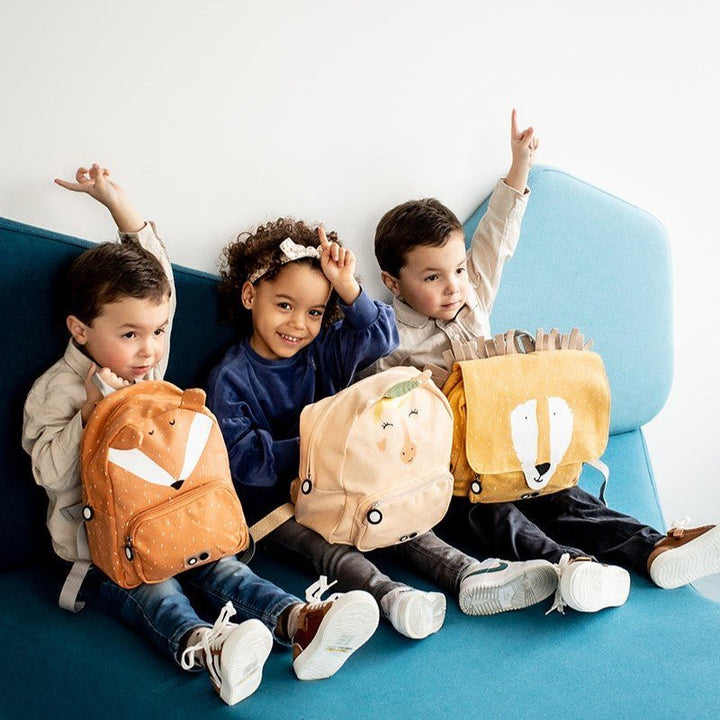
(414, 613)
(329, 631)
(234, 655)
(589, 586)
(497, 586)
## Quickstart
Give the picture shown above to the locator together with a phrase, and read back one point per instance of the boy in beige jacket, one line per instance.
(443, 293)
(122, 302)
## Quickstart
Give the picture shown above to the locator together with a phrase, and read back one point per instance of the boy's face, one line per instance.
(433, 281)
(128, 336)
(287, 311)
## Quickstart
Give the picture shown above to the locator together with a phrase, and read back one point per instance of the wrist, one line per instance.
(348, 292)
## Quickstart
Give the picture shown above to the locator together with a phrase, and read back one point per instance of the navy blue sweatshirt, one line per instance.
(258, 401)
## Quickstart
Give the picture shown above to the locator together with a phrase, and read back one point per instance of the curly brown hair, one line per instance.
(252, 251)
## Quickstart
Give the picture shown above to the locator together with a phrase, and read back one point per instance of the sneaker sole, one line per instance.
(591, 586)
(428, 616)
(244, 654)
(528, 586)
(348, 625)
(684, 564)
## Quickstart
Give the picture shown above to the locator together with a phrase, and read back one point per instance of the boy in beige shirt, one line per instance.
(443, 293)
(122, 301)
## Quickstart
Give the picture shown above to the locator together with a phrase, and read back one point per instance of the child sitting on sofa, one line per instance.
(122, 304)
(282, 284)
(441, 294)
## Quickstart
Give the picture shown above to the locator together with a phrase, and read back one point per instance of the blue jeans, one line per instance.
(163, 611)
(427, 554)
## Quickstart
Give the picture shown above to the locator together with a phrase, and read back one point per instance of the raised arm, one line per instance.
(95, 182)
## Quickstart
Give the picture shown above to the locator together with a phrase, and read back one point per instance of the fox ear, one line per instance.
(128, 438)
(193, 399)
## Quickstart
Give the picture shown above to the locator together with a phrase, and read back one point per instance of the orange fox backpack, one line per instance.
(528, 413)
(158, 497)
(374, 462)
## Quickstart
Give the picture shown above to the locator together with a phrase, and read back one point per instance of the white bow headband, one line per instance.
(291, 251)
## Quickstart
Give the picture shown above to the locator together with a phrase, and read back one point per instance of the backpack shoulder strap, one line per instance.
(272, 521)
(68, 599)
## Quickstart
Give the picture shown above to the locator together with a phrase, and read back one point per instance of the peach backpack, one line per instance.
(158, 497)
(374, 462)
(528, 413)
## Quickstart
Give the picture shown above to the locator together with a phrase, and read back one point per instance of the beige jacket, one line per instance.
(52, 425)
(423, 339)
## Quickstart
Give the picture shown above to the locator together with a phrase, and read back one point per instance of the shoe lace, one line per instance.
(678, 527)
(314, 593)
(210, 644)
(559, 603)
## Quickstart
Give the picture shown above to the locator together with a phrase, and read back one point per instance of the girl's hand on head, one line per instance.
(338, 266)
(523, 144)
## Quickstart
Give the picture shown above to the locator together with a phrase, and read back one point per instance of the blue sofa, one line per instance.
(585, 258)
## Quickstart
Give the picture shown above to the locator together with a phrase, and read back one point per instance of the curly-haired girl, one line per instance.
(282, 285)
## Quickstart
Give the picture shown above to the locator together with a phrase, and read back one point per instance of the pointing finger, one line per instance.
(324, 244)
(75, 187)
(513, 124)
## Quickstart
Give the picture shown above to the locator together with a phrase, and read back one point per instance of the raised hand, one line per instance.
(338, 266)
(523, 146)
(95, 182)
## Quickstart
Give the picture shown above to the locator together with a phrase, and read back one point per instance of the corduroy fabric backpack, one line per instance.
(158, 497)
(374, 461)
(528, 413)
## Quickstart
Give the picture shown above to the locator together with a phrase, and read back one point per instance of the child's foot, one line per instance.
(685, 555)
(414, 613)
(234, 655)
(589, 586)
(496, 586)
(328, 631)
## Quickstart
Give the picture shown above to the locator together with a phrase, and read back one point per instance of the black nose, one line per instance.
(542, 468)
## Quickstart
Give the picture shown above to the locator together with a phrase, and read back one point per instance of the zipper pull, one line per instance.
(129, 554)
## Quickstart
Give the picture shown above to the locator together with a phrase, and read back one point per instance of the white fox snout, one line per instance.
(525, 430)
(138, 463)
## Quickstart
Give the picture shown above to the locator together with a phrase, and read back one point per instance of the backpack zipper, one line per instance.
(167, 507)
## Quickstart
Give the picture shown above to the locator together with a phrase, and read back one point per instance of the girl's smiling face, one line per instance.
(287, 311)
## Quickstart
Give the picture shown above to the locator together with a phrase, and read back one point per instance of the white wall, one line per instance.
(218, 115)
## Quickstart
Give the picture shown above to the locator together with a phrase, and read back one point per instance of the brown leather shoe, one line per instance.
(329, 631)
(684, 555)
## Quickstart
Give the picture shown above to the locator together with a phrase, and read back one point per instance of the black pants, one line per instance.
(570, 521)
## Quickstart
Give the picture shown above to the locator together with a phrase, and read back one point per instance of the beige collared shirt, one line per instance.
(423, 339)
(52, 424)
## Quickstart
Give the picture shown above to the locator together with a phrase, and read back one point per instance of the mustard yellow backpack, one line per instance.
(528, 412)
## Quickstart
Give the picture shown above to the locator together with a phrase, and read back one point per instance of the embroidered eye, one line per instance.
(172, 422)
(151, 432)
(386, 424)
(414, 411)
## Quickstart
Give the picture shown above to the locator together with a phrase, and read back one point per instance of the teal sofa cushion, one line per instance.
(591, 260)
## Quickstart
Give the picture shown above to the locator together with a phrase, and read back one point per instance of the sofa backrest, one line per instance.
(591, 260)
(34, 263)
(585, 258)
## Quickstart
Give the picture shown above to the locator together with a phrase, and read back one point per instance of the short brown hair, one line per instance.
(252, 251)
(110, 272)
(416, 222)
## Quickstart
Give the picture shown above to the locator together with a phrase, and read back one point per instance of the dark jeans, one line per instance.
(570, 521)
(426, 554)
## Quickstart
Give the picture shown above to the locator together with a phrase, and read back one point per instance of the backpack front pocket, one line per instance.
(402, 512)
(177, 535)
